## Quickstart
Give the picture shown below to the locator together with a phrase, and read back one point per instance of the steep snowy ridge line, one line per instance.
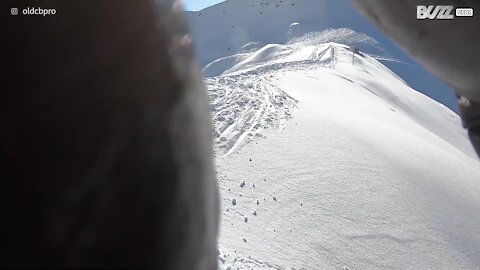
(325, 56)
(282, 57)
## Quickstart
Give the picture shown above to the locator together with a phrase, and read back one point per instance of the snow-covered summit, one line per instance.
(312, 47)
(251, 71)
(224, 31)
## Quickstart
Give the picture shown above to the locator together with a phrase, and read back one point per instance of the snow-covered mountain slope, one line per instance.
(328, 160)
(304, 48)
(223, 31)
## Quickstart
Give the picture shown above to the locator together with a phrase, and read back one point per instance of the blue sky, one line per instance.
(195, 5)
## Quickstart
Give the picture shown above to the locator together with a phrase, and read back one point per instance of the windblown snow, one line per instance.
(328, 160)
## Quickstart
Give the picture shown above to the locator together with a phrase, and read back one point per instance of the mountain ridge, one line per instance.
(221, 31)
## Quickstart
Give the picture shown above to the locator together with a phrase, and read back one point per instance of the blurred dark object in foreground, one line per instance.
(105, 140)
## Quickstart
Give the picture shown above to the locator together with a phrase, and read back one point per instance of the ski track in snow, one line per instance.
(244, 102)
(242, 106)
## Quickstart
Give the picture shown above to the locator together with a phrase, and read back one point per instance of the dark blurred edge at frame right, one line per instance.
(447, 48)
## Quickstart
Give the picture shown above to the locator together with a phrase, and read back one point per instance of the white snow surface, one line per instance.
(224, 29)
(335, 163)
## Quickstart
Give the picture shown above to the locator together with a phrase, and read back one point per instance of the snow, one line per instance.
(218, 66)
(305, 48)
(224, 29)
(341, 165)
(326, 158)
(238, 26)
(243, 106)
